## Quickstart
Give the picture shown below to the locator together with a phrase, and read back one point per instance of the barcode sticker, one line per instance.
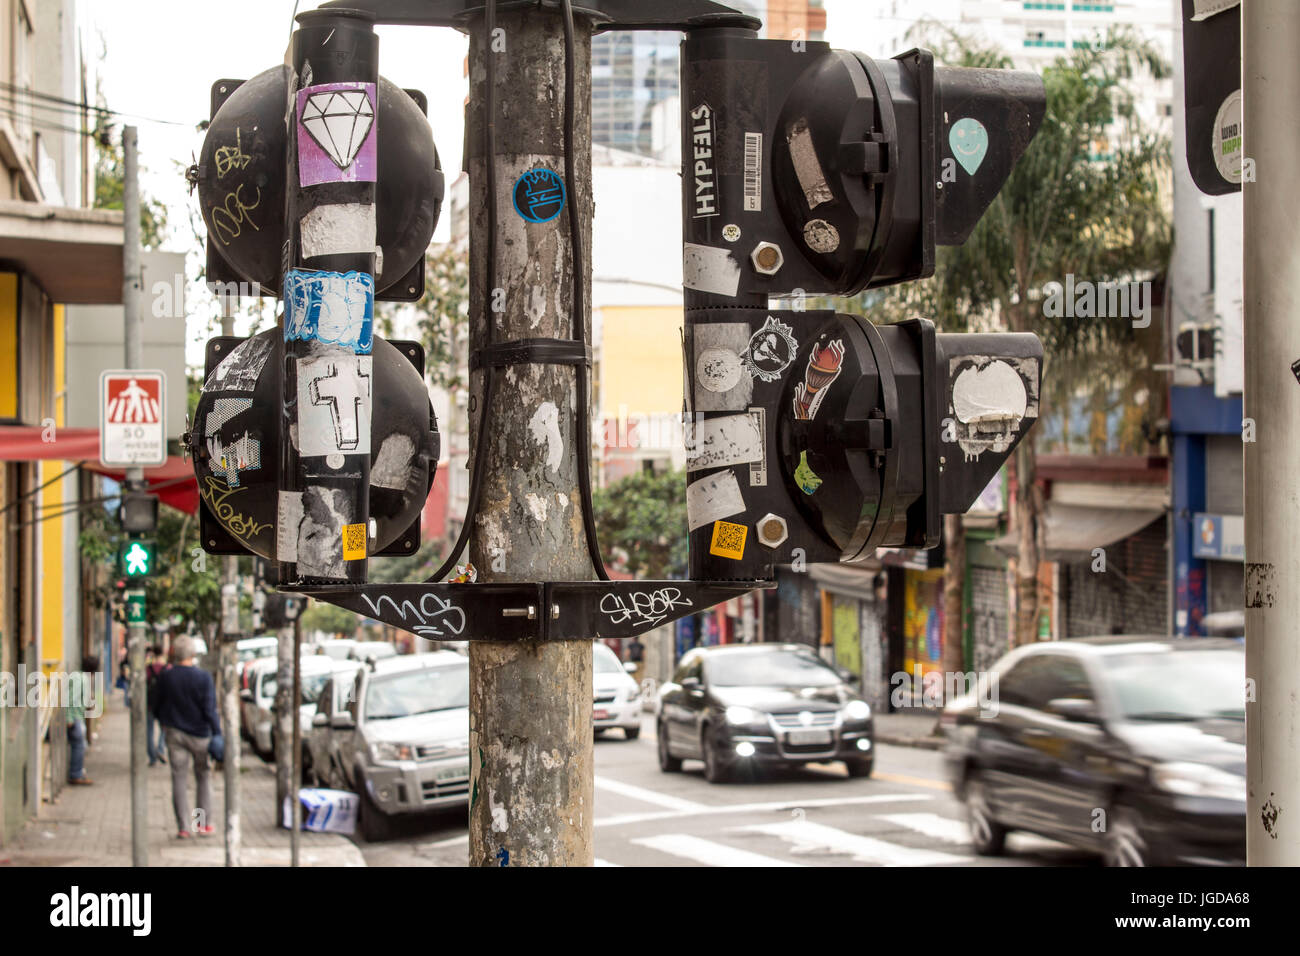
(753, 172)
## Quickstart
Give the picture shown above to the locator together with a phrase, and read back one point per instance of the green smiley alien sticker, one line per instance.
(970, 143)
(805, 476)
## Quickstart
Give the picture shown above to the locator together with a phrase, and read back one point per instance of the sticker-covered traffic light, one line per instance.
(817, 436)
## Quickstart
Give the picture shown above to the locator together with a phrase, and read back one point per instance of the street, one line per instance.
(904, 815)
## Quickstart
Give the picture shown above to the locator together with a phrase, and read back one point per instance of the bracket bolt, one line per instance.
(767, 258)
(772, 530)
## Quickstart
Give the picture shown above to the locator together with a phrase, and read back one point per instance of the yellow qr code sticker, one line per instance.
(354, 542)
(728, 540)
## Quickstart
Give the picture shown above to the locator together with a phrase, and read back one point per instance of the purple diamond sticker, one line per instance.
(336, 133)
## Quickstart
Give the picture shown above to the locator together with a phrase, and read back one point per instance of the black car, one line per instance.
(750, 705)
(1132, 747)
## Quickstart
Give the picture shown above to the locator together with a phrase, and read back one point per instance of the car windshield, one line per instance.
(418, 692)
(605, 660)
(774, 668)
(1179, 685)
(311, 687)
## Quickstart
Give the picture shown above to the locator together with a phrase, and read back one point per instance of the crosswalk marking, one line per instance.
(707, 852)
(649, 796)
(701, 809)
(810, 837)
(931, 825)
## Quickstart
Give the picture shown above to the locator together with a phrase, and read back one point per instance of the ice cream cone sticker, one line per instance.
(824, 365)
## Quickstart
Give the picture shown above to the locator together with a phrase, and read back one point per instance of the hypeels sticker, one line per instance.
(333, 307)
(336, 134)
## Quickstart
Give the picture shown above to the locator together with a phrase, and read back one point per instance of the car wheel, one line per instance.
(986, 834)
(715, 770)
(860, 768)
(631, 733)
(1125, 843)
(667, 762)
(375, 824)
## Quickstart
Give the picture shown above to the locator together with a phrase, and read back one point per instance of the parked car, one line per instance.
(402, 741)
(318, 767)
(760, 704)
(1128, 746)
(617, 695)
(257, 713)
(372, 651)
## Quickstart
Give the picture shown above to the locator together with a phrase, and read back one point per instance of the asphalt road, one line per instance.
(904, 815)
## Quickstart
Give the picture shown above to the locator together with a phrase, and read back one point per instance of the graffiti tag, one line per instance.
(433, 617)
(642, 608)
(229, 219)
(215, 492)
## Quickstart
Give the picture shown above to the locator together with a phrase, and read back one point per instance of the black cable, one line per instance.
(489, 372)
(579, 305)
(102, 110)
(27, 494)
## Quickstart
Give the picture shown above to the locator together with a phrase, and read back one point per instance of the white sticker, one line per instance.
(821, 236)
(334, 404)
(758, 470)
(1204, 9)
(731, 232)
(753, 172)
(287, 519)
(710, 269)
(719, 365)
(338, 229)
(807, 167)
(713, 497)
(1226, 138)
(714, 442)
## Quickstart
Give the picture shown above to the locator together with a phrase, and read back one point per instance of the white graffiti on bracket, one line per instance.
(430, 622)
(642, 608)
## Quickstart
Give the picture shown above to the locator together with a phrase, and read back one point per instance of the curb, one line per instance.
(902, 740)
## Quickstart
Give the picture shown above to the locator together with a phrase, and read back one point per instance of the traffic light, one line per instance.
(242, 174)
(823, 172)
(236, 434)
(138, 512)
(136, 558)
(817, 436)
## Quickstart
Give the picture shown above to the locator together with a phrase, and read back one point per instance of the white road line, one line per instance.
(623, 819)
(649, 796)
(707, 852)
(810, 837)
(931, 825)
(600, 862)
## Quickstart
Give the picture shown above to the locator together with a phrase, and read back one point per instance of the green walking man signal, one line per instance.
(137, 558)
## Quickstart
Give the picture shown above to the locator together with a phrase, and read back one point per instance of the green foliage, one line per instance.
(441, 315)
(330, 619)
(110, 176)
(643, 516)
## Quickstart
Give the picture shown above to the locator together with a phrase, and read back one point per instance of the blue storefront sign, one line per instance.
(1222, 537)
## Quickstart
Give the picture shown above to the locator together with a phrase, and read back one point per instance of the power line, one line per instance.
(102, 110)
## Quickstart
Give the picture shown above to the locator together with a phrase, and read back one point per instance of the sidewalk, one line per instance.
(91, 826)
(909, 728)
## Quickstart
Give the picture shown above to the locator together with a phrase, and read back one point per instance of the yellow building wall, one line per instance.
(8, 345)
(641, 360)
(53, 496)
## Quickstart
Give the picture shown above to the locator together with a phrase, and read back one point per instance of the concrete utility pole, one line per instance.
(137, 631)
(1271, 89)
(230, 669)
(282, 728)
(530, 703)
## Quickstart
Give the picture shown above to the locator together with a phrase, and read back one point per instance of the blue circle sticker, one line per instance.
(539, 195)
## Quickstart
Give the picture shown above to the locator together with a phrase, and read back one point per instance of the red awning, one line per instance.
(172, 481)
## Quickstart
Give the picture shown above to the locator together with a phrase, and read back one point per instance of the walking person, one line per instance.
(187, 710)
(78, 698)
(154, 743)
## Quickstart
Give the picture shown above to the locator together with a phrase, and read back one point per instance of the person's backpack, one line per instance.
(151, 688)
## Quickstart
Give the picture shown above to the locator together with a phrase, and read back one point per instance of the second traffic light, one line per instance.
(825, 172)
(136, 558)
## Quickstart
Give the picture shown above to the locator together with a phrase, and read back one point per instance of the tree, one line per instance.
(1089, 198)
(330, 619)
(642, 517)
(441, 315)
(110, 178)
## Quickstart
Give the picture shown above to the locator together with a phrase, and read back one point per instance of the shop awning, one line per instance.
(75, 255)
(856, 581)
(173, 481)
(1071, 532)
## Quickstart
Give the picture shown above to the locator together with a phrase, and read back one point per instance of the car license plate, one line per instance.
(600, 715)
(807, 738)
(452, 773)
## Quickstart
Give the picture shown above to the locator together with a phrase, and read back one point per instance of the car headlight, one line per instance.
(389, 751)
(1198, 780)
(743, 715)
(857, 710)
(633, 693)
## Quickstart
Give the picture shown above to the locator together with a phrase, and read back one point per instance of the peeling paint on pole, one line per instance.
(530, 704)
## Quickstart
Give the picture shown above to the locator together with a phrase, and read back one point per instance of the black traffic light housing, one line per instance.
(138, 512)
(815, 171)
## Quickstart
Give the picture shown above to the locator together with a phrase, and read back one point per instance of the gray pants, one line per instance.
(182, 749)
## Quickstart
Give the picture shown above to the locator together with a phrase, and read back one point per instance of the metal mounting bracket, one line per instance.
(539, 611)
(684, 15)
